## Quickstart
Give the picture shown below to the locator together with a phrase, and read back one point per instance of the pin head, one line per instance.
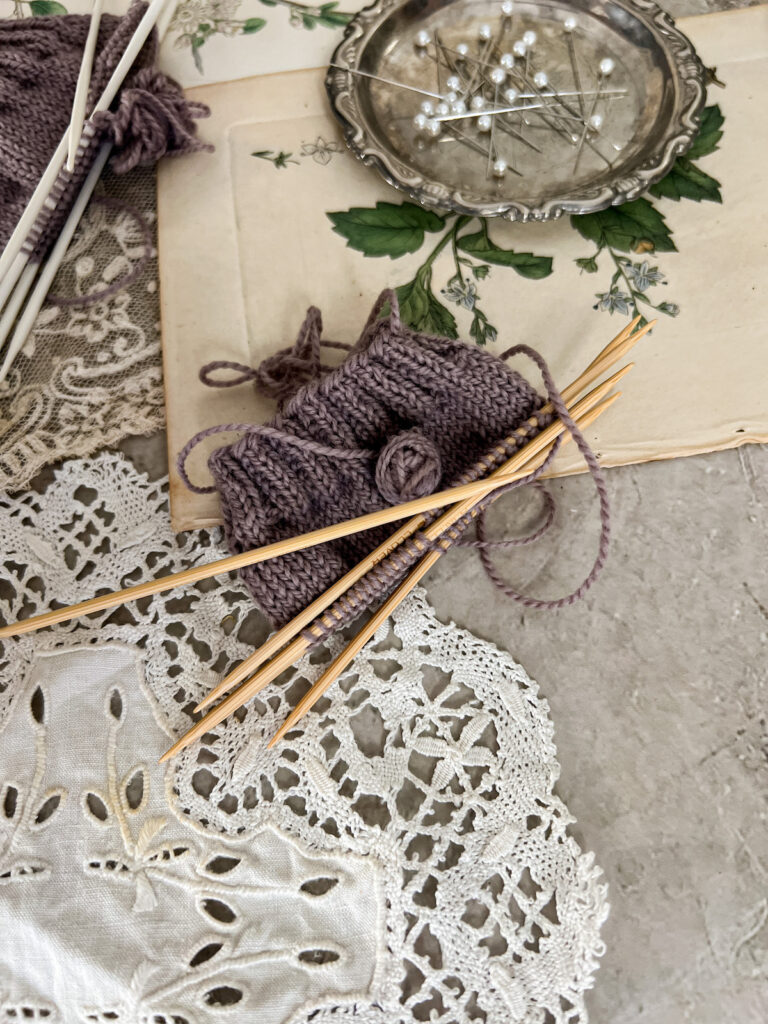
(499, 168)
(433, 128)
(453, 83)
(484, 32)
(519, 48)
(420, 122)
(459, 107)
(569, 25)
(596, 122)
(507, 8)
(484, 123)
(540, 79)
(477, 103)
(507, 61)
(529, 38)
(606, 66)
(462, 49)
(428, 108)
(498, 75)
(511, 95)
(442, 109)
(422, 39)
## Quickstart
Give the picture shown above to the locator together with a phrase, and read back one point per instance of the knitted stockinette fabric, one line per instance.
(40, 60)
(404, 414)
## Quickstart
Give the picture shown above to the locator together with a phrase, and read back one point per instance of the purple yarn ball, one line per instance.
(408, 467)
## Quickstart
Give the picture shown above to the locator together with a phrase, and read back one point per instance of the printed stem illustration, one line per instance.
(395, 230)
(639, 228)
(195, 27)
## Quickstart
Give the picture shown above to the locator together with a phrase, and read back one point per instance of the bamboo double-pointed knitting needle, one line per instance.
(475, 489)
(530, 457)
(618, 347)
(335, 669)
(83, 84)
(291, 654)
(602, 362)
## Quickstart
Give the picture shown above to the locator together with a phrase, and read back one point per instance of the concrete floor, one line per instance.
(657, 684)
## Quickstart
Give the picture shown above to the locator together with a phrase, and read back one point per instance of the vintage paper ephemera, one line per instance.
(256, 232)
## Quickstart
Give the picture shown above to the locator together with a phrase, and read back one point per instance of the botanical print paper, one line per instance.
(274, 207)
(219, 40)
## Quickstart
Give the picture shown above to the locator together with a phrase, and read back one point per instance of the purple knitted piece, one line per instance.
(405, 414)
(460, 398)
(40, 59)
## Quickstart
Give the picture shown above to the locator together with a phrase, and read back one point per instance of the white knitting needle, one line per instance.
(165, 20)
(83, 84)
(10, 312)
(27, 320)
(41, 194)
(10, 279)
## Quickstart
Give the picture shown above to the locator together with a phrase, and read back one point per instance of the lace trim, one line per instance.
(434, 759)
(89, 376)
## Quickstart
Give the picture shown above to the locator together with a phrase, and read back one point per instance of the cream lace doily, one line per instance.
(401, 857)
(89, 376)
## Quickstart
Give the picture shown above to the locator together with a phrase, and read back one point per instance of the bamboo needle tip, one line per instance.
(171, 752)
(287, 725)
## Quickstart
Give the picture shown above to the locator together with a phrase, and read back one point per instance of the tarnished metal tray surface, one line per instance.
(649, 108)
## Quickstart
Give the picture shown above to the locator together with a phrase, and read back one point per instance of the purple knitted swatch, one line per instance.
(39, 63)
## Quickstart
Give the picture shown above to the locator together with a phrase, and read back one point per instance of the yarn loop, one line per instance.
(153, 119)
(408, 467)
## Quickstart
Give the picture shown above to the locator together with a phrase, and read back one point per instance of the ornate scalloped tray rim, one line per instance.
(432, 194)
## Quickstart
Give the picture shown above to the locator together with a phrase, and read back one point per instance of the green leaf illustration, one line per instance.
(525, 263)
(587, 263)
(635, 226)
(38, 7)
(387, 230)
(420, 308)
(687, 181)
(709, 135)
(332, 18)
(253, 25)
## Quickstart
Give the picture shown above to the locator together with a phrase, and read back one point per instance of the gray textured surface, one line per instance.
(657, 684)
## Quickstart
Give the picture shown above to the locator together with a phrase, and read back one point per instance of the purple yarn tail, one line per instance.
(596, 472)
(280, 376)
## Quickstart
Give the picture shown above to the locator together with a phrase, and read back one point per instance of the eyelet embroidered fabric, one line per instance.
(401, 857)
(88, 376)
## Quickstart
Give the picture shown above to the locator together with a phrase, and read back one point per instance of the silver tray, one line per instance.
(654, 117)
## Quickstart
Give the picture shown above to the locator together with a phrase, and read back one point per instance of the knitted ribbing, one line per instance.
(39, 64)
(460, 398)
